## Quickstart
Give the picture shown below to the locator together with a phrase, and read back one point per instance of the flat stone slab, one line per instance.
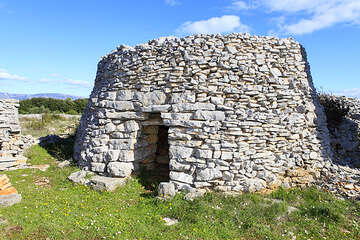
(170, 221)
(110, 184)
(9, 200)
(79, 177)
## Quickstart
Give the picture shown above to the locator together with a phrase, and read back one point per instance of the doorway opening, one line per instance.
(154, 142)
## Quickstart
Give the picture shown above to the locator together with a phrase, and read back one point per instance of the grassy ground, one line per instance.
(62, 210)
(48, 125)
(54, 208)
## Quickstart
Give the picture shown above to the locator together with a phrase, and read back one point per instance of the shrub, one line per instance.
(51, 105)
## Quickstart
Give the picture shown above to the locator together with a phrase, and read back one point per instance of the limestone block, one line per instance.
(209, 115)
(125, 115)
(9, 200)
(186, 97)
(101, 183)
(184, 107)
(208, 174)
(98, 167)
(201, 153)
(120, 169)
(166, 190)
(78, 177)
(151, 98)
(178, 152)
(122, 144)
(181, 177)
(123, 105)
(125, 95)
(180, 167)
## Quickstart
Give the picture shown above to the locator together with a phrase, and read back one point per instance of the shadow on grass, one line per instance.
(58, 147)
(150, 179)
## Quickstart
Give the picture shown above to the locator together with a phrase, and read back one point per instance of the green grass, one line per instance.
(64, 210)
(48, 125)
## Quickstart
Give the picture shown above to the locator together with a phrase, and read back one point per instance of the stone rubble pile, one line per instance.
(8, 194)
(12, 143)
(342, 176)
(241, 111)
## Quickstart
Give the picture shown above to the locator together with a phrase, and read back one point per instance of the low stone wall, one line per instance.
(12, 143)
(345, 137)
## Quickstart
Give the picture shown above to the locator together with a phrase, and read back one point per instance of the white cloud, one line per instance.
(78, 82)
(352, 92)
(326, 16)
(226, 23)
(172, 2)
(4, 75)
(239, 5)
(54, 75)
(312, 15)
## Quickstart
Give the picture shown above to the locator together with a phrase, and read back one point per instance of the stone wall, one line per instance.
(345, 137)
(11, 142)
(241, 111)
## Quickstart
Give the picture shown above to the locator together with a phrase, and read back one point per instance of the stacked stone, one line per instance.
(345, 136)
(5, 186)
(12, 143)
(8, 194)
(241, 110)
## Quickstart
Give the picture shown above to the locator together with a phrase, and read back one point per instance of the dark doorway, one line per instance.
(154, 168)
(162, 152)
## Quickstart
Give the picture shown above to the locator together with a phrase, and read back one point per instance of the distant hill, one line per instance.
(38, 95)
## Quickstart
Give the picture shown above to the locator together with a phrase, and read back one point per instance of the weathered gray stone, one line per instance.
(181, 177)
(64, 164)
(177, 152)
(190, 196)
(78, 177)
(208, 174)
(209, 115)
(166, 190)
(120, 169)
(151, 98)
(12, 143)
(101, 183)
(9, 200)
(240, 113)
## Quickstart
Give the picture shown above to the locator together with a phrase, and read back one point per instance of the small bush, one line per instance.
(335, 109)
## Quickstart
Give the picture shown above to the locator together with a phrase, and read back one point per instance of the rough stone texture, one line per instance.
(9, 200)
(12, 143)
(166, 190)
(241, 110)
(79, 177)
(342, 176)
(96, 182)
(110, 184)
(8, 194)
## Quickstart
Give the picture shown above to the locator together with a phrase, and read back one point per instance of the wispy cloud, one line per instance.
(4, 75)
(311, 15)
(172, 2)
(241, 5)
(352, 92)
(226, 23)
(77, 82)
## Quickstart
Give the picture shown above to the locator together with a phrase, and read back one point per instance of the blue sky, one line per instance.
(54, 46)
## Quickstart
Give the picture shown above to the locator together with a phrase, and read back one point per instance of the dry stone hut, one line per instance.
(233, 113)
(11, 142)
